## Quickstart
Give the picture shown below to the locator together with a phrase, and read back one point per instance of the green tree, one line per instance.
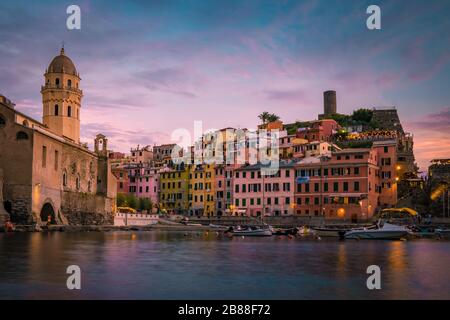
(121, 200)
(362, 115)
(264, 117)
(145, 204)
(273, 117)
(132, 201)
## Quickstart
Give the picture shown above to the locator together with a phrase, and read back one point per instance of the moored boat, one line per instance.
(337, 231)
(442, 233)
(385, 232)
(252, 231)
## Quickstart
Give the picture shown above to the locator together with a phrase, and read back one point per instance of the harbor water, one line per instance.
(179, 265)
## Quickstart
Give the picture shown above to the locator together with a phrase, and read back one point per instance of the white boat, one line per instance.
(385, 232)
(252, 231)
(441, 232)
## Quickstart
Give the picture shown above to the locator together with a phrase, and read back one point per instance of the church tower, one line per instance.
(61, 98)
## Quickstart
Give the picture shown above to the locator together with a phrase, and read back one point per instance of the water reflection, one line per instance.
(163, 265)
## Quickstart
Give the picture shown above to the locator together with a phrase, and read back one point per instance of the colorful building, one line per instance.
(388, 172)
(144, 182)
(173, 195)
(201, 190)
(224, 189)
(256, 194)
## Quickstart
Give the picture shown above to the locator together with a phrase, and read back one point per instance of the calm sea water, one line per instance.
(171, 265)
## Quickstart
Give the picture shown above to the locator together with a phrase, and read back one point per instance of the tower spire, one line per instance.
(62, 48)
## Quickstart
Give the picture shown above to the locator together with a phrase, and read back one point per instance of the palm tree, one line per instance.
(264, 117)
(268, 117)
(273, 117)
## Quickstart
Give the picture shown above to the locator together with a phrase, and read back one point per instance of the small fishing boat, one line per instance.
(285, 232)
(251, 231)
(337, 231)
(386, 231)
(442, 233)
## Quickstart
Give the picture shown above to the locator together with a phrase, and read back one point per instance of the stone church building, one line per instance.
(44, 169)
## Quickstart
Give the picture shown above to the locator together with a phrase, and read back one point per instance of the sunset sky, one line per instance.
(150, 67)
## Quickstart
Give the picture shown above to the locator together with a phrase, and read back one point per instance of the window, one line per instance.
(2, 122)
(356, 186)
(336, 186)
(56, 110)
(69, 83)
(356, 171)
(78, 183)
(56, 159)
(44, 156)
(65, 179)
(21, 136)
(89, 186)
(69, 111)
(57, 82)
(345, 186)
(386, 149)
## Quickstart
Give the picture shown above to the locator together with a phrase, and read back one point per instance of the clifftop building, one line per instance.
(47, 174)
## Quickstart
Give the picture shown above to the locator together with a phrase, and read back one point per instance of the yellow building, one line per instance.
(174, 184)
(201, 190)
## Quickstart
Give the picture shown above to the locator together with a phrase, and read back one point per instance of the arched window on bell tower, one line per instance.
(56, 110)
(69, 111)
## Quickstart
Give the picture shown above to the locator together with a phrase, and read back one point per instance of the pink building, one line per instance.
(255, 193)
(388, 171)
(320, 130)
(351, 183)
(121, 175)
(144, 182)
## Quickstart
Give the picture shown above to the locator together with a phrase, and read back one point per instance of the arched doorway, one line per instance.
(8, 206)
(47, 210)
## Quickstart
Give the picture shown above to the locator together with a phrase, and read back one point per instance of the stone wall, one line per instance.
(87, 209)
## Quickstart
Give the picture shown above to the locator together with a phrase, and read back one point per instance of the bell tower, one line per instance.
(61, 98)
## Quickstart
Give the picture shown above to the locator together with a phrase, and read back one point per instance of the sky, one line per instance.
(151, 67)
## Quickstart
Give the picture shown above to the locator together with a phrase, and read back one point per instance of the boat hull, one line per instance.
(252, 233)
(376, 235)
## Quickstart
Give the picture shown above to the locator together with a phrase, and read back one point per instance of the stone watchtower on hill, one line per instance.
(61, 98)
